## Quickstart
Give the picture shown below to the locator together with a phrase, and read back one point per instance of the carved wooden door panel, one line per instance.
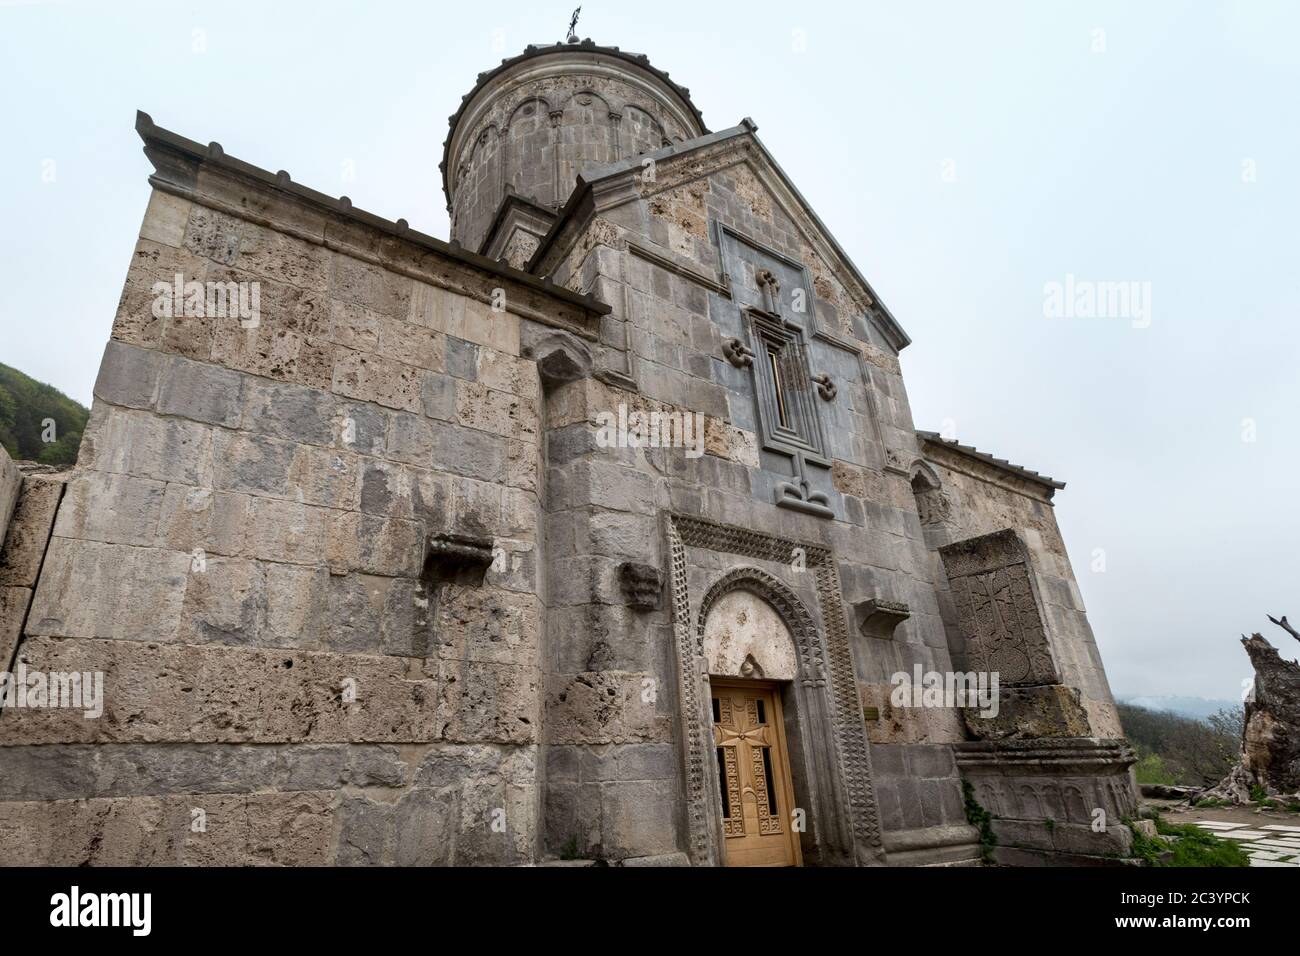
(753, 776)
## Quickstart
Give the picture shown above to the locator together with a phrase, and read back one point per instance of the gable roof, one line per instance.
(746, 131)
(1000, 463)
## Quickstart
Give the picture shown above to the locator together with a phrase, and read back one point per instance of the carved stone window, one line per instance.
(787, 413)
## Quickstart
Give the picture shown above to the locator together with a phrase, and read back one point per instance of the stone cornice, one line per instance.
(181, 164)
(951, 451)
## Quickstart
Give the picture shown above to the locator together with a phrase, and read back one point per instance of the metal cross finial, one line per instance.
(573, 25)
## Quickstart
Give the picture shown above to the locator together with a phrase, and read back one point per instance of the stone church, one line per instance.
(601, 532)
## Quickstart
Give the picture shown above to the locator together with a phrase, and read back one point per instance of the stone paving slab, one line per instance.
(1266, 846)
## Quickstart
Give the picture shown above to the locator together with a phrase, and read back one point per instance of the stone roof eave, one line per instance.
(171, 154)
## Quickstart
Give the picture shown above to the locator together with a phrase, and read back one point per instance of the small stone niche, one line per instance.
(878, 617)
(457, 559)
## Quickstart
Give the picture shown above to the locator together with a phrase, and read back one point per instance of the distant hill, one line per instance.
(1196, 707)
(1172, 748)
(25, 404)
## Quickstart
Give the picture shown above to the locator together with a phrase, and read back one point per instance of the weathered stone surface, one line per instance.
(201, 392)
(29, 530)
(13, 610)
(1051, 710)
(90, 589)
(604, 707)
(11, 481)
(198, 694)
(129, 375)
(80, 771)
(239, 830)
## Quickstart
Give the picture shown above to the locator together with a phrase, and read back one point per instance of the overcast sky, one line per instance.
(965, 155)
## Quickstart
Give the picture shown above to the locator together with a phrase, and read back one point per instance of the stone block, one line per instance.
(287, 531)
(165, 219)
(639, 818)
(480, 701)
(138, 443)
(13, 610)
(214, 522)
(185, 693)
(325, 477)
(115, 509)
(501, 413)
(129, 375)
(370, 286)
(135, 322)
(29, 530)
(462, 359)
(293, 412)
(486, 624)
(371, 378)
(353, 326)
(253, 464)
(89, 589)
(296, 605)
(282, 258)
(438, 395)
(401, 341)
(604, 707)
(1050, 710)
(213, 235)
(225, 602)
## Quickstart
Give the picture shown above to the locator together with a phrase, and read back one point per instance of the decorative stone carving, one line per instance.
(788, 607)
(770, 286)
(825, 387)
(847, 735)
(878, 618)
(1025, 783)
(933, 506)
(998, 611)
(743, 634)
(560, 357)
(894, 462)
(457, 559)
(738, 353)
(1031, 713)
(642, 585)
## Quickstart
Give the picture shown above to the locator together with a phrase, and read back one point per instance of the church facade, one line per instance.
(600, 532)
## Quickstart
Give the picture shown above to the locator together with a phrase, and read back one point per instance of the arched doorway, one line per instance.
(751, 659)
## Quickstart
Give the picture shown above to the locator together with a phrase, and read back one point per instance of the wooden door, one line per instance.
(753, 775)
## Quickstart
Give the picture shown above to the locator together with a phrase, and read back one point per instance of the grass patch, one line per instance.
(1190, 846)
(981, 819)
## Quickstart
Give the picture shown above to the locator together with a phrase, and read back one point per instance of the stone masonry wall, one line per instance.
(673, 316)
(241, 550)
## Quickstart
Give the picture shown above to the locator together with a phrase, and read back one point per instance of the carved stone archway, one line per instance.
(824, 724)
(788, 607)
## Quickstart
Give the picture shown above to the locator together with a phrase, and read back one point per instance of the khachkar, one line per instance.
(601, 531)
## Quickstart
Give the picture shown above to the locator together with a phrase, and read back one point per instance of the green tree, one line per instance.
(27, 409)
